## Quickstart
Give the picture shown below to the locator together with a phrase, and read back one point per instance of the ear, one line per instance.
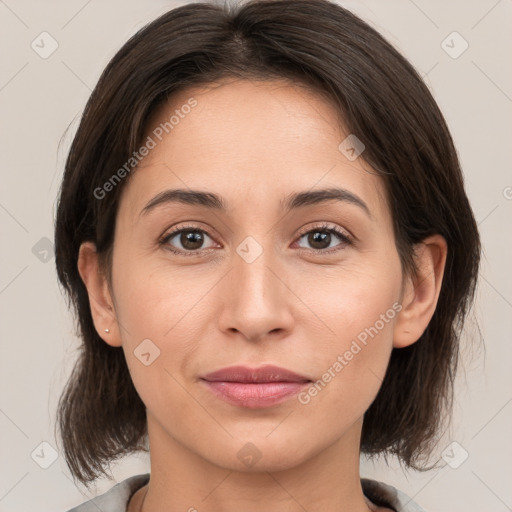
(421, 292)
(100, 300)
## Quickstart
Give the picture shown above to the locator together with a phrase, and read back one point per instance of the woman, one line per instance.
(264, 232)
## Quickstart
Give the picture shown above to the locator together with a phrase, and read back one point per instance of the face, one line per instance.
(312, 286)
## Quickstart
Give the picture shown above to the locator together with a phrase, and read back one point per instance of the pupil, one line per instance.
(319, 237)
(191, 239)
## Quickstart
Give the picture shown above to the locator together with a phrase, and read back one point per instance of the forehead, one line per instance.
(262, 138)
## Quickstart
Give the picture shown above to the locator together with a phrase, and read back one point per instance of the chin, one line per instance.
(256, 454)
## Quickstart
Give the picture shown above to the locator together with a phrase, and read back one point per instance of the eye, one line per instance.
(324, 237)
(191, 240)
(186, 240)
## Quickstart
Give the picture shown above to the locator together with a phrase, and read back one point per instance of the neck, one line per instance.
(183, 480)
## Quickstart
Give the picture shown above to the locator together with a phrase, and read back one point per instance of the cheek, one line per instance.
(358, 310)
(350, 299)
(164, 316)
(351, 374)
(155, 300)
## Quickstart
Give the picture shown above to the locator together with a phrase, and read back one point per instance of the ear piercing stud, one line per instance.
(107, 330)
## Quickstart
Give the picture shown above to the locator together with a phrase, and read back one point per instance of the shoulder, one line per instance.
(385, 495)
(115, 499)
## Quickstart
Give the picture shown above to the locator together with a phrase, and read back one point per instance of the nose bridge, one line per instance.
(252, 265)
(255, 301)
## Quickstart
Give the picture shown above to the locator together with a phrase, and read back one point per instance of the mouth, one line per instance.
(255, 388)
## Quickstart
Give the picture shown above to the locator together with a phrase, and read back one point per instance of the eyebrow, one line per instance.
(291, 202)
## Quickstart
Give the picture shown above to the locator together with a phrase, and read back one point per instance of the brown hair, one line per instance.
(381, 99)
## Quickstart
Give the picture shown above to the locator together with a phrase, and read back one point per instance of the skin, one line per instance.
(253, 143)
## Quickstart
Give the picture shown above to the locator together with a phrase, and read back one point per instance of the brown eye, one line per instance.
(186, 240)
(323, 238)
(319, 240)
(191, 240)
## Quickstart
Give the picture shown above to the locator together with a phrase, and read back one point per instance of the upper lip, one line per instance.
(267, 373)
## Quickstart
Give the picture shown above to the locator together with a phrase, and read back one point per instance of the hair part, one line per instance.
(380, 98)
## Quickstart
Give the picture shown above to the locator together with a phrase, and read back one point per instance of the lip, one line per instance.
(266, 373)
(255, 387)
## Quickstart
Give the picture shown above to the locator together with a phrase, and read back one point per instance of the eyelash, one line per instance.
(344, 237)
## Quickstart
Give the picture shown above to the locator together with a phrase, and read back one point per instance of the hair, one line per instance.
(380, 97)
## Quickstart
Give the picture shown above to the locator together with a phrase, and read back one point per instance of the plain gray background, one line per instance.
(39, 99)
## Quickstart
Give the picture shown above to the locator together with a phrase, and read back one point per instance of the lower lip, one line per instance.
(255, 395)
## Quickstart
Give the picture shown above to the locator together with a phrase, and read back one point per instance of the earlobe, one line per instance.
(421, 291)
(100, 300)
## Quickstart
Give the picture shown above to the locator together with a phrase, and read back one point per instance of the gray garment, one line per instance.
(117, 498)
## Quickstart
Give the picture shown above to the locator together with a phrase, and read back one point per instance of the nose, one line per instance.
(256, 301)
